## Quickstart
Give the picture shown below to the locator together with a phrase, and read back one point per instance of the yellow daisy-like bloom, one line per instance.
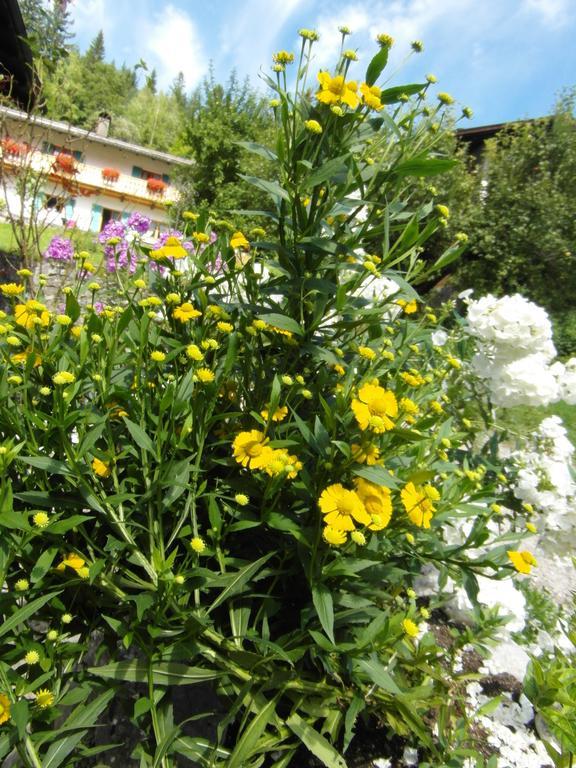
(224, 327)
(186, 312)
(101, 468)
(31, 314)
(44, 698)
(63, 378)
(32, 657)
(40, 519)
(238, 240)
(313, 126)
(333, 536)
(205, 375)
(371, 96)
(409, 307)
(242, 499)
(374, 408)
(342, 507)
(251, 450)
(335, 90)
(194, 353)
(412, 379)
(358, 538)
(410, 628)
(4, 708)
(279, 461)
(157, 356)
(365, 454)
(75, 562)
(366, 353)
(198, 545)
(408, 406)
(522, 561)
(11, 289)
(418, 504)
(201, 237)
(172, 249)
(279, 414)
(21, 585)
(377, 501)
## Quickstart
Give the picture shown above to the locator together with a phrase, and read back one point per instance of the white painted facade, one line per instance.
(80, 193)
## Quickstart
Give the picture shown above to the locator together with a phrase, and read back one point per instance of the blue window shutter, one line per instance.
(125, 215)
(96, 219)
(165, 178)
(137, 172)
(77, 155)
(70, 205)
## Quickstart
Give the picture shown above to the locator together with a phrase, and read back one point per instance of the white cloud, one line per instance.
(555, 13)
(172, 44)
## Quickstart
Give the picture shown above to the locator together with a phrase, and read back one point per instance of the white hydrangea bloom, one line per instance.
(566, 375)
(526, 380)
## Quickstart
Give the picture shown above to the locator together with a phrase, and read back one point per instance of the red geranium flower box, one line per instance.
(65, 162)
(110, 174)
(157, 186)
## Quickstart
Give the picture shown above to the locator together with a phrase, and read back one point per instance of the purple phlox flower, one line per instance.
(113, 228)
(139, 223)
(70, 224)
(59, 248)
(120, 256)
(98, 306)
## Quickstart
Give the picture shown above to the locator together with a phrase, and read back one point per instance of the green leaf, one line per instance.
(247, 743)
(20, 716)
(61, 748)
(315, 743)
(140, 436)
(379, 675)
(392, 95)
(43, 564)
(163, 673)
(239, 579)
(334, 170)
(377, 475)
(283, 322)
(377, 65)
(258, 149)
(423, 166)
(52, 466)
(20, 616)
(67, 523)
(322, 599)
(273, 188)
(356, 706)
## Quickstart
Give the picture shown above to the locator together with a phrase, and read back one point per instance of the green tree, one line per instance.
(96, 50)
(219, 117)
(523, 225)
(153, 120)
(48, 29)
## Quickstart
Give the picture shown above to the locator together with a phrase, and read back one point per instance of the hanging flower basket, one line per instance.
(156, 186)
(65, 163)
(15, 148)
(110, 174)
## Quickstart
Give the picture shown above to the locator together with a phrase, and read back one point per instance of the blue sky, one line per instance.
(506, 59)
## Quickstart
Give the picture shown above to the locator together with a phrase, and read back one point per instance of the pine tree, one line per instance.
(48, 30)
(96, 51)
(178, 90)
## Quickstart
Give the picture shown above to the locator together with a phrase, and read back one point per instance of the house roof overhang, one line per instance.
(16, 63)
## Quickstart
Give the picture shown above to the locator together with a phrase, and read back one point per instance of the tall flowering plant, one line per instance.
(234, 474)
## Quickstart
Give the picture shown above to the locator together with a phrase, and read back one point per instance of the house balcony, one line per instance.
(84, 179)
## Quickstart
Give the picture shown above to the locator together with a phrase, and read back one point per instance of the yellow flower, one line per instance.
(279, 461)
(186, 312)
(11, 289)
(205, 375)
(436, 406)
(409, 307)
(531, 527)
(377, 501)
(31, 314)
(201, 237)
(40, 519)
(157, 356)
(366, 353)
(63, 319)
(172, 249)
(522, 561)
(139, 283)
(239, 241)
(24, 273)
(365, 454)
(241, 499)
(14, 379)
(75, 562)
(198, 545)
(32, 657)
(445, 98)
(44, 698)
(21, 585)
(194, 353)
(417, 502)
(63, 378)
(374, 408)
(4, 708)
(101, 468)
(384, 40)
(279, 414)
(408, 406)
(410, 628)
(358, 538)
(334, 536)
(250, 449)
(412, 379)
(173, 298)
(283, 57)
(335, 90)
(342, 507)
(313, 126)
(14, 341)
(224, 327)
(371, 96)
(190, 216)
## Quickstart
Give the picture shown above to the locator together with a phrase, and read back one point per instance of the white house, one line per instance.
(79, 176)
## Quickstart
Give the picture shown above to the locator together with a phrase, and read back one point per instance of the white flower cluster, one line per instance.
(515, 353)
(544, 478)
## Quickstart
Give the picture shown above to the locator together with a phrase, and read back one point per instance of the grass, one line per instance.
(525, 419)
(83, 241)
